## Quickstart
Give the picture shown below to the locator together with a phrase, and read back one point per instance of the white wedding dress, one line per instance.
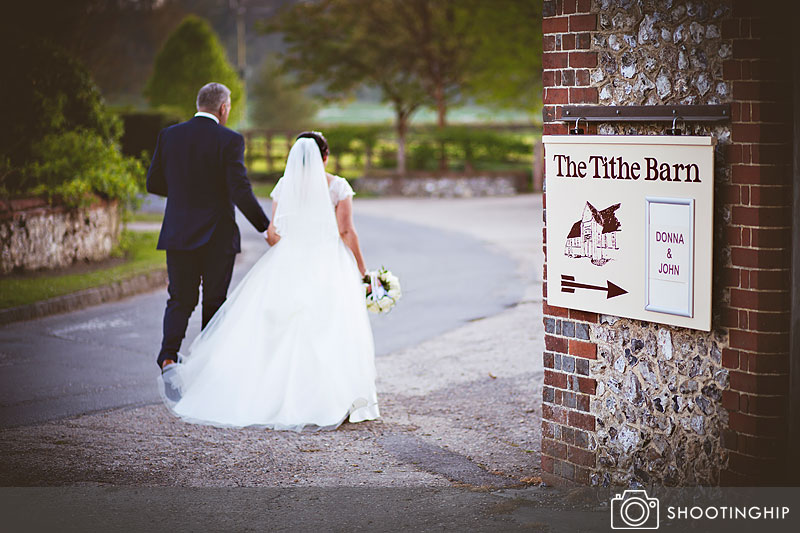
(292, 346)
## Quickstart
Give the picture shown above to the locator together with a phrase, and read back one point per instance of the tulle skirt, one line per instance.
(291, 348)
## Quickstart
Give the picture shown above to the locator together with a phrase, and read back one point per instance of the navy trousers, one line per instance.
(187, 270)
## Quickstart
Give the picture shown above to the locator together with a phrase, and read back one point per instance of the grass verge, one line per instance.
(143, 216)
(141, 257)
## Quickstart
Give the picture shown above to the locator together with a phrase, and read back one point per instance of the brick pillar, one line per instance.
(567, 426)
(700, 407)
(759, 236)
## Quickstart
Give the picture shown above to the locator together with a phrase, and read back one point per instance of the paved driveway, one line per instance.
(103, 357)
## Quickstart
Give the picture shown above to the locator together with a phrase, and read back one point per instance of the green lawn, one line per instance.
(141, 216)
(362, 112)
(367, 112)
(142, 257)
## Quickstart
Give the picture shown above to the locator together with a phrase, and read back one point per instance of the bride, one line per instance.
(292, 346)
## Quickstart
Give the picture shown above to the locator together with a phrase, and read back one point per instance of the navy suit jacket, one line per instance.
(199, 166)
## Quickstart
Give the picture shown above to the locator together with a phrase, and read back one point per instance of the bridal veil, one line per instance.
(292, 346)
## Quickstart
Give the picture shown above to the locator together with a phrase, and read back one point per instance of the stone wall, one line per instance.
(629, 402)
(446, 186)
(34, 235)
(658, 404)
(659, 392)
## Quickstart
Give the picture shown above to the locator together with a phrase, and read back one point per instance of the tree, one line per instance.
(117, 41)
(120, 41)
(192, 57)
(508, 60)
(277, 102)
(417, 52)
(51, 93)
(443, 36)
(60, 141)
(489, 49)
(370, 51)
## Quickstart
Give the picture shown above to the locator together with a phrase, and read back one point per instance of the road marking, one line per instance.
(95, 324)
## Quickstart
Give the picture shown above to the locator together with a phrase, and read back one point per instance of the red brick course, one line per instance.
(759, 236)
(555, 25)
(583, 349)
(582, 23)
(566, 78)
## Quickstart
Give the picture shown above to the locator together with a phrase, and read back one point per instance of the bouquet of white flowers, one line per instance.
(383, 290)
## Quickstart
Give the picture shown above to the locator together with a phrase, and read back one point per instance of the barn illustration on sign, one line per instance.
(594, 235)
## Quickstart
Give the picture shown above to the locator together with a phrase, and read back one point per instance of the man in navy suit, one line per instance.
(199, 166)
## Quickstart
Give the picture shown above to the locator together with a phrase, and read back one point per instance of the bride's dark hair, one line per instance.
(322, 142)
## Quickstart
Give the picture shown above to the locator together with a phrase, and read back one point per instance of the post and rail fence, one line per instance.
(368, 155)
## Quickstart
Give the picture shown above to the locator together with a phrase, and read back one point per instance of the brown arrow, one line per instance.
(568, 284)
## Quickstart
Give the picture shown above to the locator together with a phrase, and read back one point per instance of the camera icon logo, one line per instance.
(633, 509)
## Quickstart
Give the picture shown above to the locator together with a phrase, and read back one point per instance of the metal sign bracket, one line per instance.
(646, 113)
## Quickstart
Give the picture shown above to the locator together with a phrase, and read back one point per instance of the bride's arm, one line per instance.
(344, 218)
(272, 235)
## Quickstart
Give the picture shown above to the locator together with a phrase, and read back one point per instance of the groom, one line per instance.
(199, 166)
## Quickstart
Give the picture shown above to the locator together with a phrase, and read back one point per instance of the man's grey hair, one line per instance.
(211, 96)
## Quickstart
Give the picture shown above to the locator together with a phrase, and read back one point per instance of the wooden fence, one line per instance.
(266, 150)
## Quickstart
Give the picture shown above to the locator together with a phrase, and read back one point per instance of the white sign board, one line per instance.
(630, 226)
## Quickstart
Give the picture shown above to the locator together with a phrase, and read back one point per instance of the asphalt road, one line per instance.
(103, 357)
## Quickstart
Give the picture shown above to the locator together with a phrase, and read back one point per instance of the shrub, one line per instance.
(60, 139)
(350, 138)
(474, 145)
(422, 155)
(358, 140)
(77, 165)
(48, 93)
(192, 57)
(387, 157)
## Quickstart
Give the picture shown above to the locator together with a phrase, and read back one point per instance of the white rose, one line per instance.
(394, 294)
(385, 304)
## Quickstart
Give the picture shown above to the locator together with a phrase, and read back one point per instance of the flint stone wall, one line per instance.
(658, 404)
(34, 235)
(445, 186)
(661, 52)
(658, 401)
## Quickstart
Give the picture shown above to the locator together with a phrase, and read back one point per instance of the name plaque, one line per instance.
(670, 255)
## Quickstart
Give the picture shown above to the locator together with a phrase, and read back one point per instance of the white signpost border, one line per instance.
(689, 312)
